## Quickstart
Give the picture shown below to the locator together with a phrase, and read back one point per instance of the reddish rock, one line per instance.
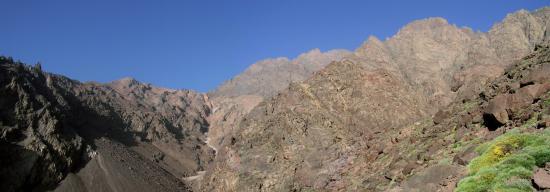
(518, 101)
(409, 168)
(536, 90)
(464, 157)
(432, 178)
(539, 75)
(497, 109)
(545, 123)
(440, 116)
(542, 178)
(507, 106)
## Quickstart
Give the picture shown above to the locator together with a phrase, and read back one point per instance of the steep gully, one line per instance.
(208, 141)
(200, 174)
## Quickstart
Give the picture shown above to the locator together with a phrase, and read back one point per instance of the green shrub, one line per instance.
(532, 122)
(506, 163)
(546, 102)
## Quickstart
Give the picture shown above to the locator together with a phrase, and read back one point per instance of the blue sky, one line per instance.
(199, 44)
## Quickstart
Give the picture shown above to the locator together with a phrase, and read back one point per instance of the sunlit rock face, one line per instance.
(363, 122)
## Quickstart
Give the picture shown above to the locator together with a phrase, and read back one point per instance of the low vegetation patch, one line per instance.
(546, 102)
(532, 122)
(507, 162)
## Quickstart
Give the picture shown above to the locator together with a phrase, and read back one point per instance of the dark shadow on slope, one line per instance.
(491, 122)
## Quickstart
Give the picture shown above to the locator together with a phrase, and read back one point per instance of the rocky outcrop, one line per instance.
(448, 62)
(502, 106)
(162, 121)
(38, 142)
(227, 113)
(541, 178)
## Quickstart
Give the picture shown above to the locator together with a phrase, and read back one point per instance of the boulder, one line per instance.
(541, 178)
(507, 106)
(518, 101)
(432, 178)
(539, 75)
(535, 91)
(544, 122)
(409, 168)
(464, 157)
(496, 110)
(440, 116)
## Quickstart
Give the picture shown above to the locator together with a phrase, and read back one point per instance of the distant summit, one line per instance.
(265, 78)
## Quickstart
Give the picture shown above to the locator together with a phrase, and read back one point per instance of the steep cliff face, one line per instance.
(342, 128)
(53, 126)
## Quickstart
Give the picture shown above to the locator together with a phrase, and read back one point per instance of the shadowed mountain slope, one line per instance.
(55, 126)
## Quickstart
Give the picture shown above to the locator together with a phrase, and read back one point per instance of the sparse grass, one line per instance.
(506, 163)
(546, 102)
(445, 161)
(457, 146)
(468, 105)
(532, 122)
(384, 158)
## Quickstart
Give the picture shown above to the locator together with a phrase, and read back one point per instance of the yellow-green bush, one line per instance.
(506, 163)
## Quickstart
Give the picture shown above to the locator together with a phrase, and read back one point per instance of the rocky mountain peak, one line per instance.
(518, 33)
(316, 52)
(423, 26)
(372, 42)
(543, 13)
(265, 78)
(427, 23)
(376, 52)
(126, 82)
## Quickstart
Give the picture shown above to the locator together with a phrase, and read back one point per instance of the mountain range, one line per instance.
(420, 111)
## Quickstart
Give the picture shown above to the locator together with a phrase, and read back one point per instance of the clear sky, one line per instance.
(198, 44)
